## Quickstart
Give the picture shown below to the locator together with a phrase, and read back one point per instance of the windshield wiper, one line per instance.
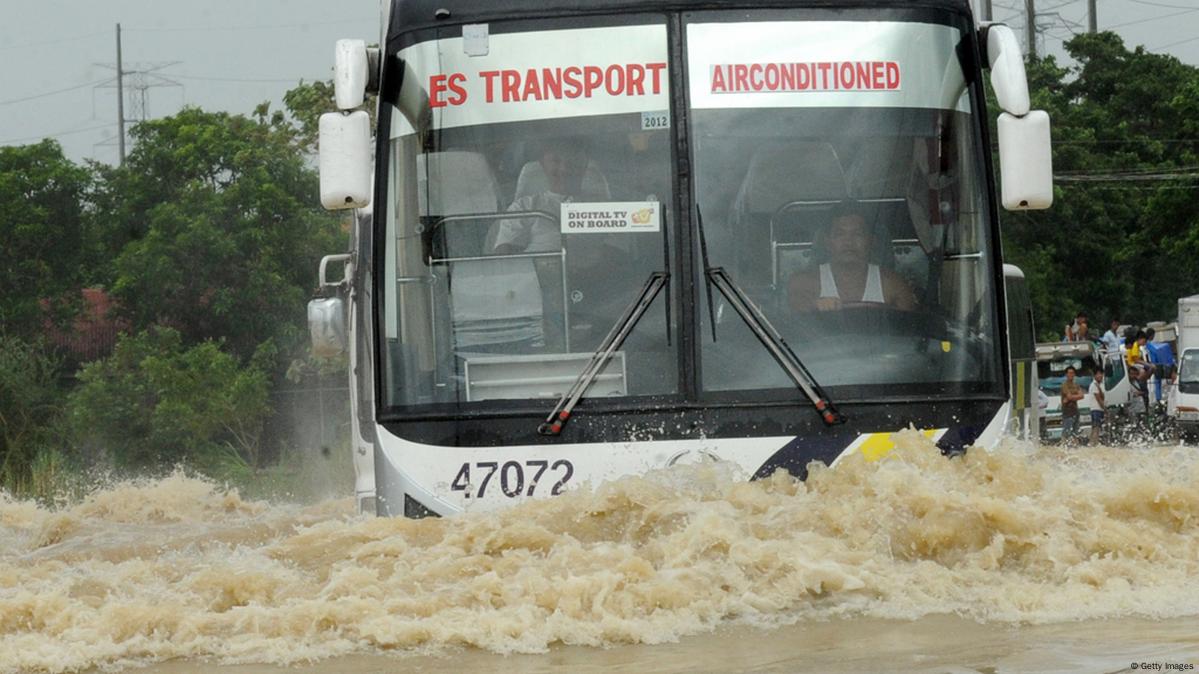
(616, 336)
(765, 332)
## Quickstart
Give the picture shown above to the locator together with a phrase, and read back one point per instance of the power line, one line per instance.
(1175, 44)
(230, 79)
(1139, 141)
(1159, 4)
(187, 29)
(1154, 18)
(11, 141)
(1137, 187)
(56, 91)
(1131, 172)
(27, 45)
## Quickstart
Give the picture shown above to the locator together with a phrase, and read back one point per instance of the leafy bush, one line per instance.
(156, 402)
(29, 407)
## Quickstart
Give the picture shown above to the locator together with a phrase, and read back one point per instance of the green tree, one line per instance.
(158, 402)
(307, 102)
(44, 226)
(219, 229)
(1124, 213)
(30, 406)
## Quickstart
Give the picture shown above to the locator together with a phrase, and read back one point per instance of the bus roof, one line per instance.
(407, 15)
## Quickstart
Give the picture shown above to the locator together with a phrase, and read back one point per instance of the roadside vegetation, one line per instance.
(197, 257)
(1122, 237)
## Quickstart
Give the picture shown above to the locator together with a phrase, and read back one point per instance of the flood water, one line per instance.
(1019, 560)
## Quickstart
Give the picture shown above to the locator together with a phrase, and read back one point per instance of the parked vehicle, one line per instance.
(1053, 358)
(1183, 404)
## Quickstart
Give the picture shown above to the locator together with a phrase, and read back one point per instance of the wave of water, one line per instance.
(179, 568)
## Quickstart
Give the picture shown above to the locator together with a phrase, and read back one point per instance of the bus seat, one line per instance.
(457, 182)
(779, 175)
(492, 302)
(532, 181)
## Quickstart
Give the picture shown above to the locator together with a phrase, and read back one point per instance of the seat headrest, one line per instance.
(532, 181)
(780, 174)
(455, 183)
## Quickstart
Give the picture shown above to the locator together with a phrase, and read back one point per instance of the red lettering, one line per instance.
(635, 78)
(772, 77)
(570, 78)
(803, 76)
(656, 69)
(740, 75)
(755, 76)
(892, 75)
(532, 86)
(847, 73)
(876, 75)
(456, 81)
(823, 67)
(614, 80)
(488, 76)
(510, 85)
(787, 79)
(593, 77)
(718, 85)
(862, 72)
(551, 82)
(436, 89)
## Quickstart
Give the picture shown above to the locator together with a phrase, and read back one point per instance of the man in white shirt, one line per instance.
(1111, 341)
(849, 276)
(1099, 411)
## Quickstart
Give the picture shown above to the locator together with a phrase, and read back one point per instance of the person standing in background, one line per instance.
(1161, 356)
(1071, 394)
(1099, 411)
(1111, 340)
(1071, 333)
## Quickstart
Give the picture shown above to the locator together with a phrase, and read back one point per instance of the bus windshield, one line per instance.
(836, 167)
(840, 181)
(530, 194)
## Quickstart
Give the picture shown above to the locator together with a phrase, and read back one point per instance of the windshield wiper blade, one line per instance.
(763, 330)
(775, 344)
(616, 336)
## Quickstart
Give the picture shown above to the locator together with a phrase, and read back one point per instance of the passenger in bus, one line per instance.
(850, 275)
(565, 164)
(563, 173)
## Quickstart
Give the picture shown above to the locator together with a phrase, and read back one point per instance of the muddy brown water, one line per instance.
(1018, 560)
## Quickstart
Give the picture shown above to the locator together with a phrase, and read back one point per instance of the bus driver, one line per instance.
(849, 276)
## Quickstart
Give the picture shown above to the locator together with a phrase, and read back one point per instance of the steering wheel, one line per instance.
(873, 318)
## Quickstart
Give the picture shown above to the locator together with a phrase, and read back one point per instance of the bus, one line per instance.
(609, 237)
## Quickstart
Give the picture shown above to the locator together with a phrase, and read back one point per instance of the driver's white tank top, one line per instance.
(874, 284)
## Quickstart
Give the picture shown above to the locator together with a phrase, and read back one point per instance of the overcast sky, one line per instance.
(233, 54)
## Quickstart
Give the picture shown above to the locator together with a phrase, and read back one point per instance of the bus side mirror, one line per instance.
(1025, 161)
(350, 73)
(345, 161)
(1008, 78)
(1025, 155)
(327, 325)
(327, 312)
